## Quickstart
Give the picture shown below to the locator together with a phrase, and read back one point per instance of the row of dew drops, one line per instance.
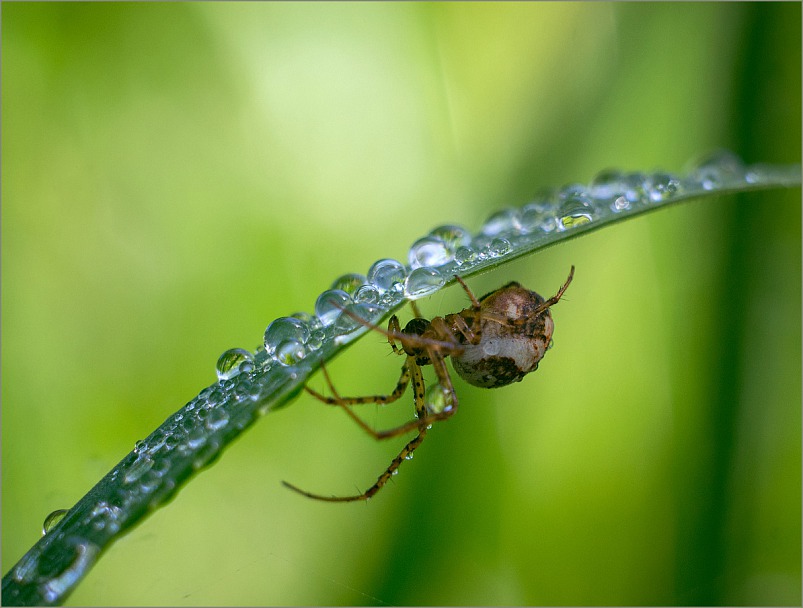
(450, 249)
(432, 260)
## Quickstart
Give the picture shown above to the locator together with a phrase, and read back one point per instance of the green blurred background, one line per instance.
(176, 176)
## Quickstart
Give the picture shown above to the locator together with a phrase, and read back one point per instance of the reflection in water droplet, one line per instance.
(347, 322)
(196, 438)
(349, 283)
(228, 365)
(26, 568)
(289, 352)
(311, 321)
(330, 305)
(429, 251)
(576, 211)
(502, 222)
(663, 186)
(138, 468)
(497, 247)
(316, 339)
(51, 520)
(465, 255)
(283, 329)
(718, 170)
(367, 294)
(453, 236)
(216, 419)
(54, 588)
(537, 217)
(206, 455)
(387, 275)
(422, 282)
(607, 184)
(620, 203)
(261, 357)
(437, 399)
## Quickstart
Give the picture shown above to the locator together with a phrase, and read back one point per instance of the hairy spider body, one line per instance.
(496, 341)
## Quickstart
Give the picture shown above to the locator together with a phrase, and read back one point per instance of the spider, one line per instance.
(498, 340)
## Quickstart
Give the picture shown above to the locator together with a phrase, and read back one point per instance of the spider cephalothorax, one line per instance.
(497, 340)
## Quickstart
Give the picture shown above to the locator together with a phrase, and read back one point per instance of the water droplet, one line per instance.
(330, 305)
(316, 339)
(506, 221)
(465, 255)
(349, 283)
(54, 588)
(53, 519)
(607, 184)
(663, 186)
(289, 352)
(437, 399)
(206, 455)
(311, 321)
(387, 275)
(153, 443)
(718, 169)
(196, 438)
(620, 203)
(228, 365)
(497, 247)
(367, 294)
(261, 356)
(26, 569)
(537, 216)
(422, 282)
(454, 236)
(347, 323)
(576, 211)
(395, 472)
(429, 251)
(283, 329)
(138, 468)
(409, 456)
(216, 419)
(105, 516)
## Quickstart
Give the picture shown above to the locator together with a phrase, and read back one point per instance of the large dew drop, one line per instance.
(229, 363)
(429, 251)
(423, 282)
(53, 519)
(387, 275)
(349, 283)
(283, 329)
(330, 304)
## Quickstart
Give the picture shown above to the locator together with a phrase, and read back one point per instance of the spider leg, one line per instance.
(474, 302)
(556, 298)
(401, 386)
(381, 481)
(422, 423)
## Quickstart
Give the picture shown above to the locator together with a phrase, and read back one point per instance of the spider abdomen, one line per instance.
(507, 351)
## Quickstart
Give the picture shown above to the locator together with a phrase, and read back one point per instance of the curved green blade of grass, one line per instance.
(253, 384)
